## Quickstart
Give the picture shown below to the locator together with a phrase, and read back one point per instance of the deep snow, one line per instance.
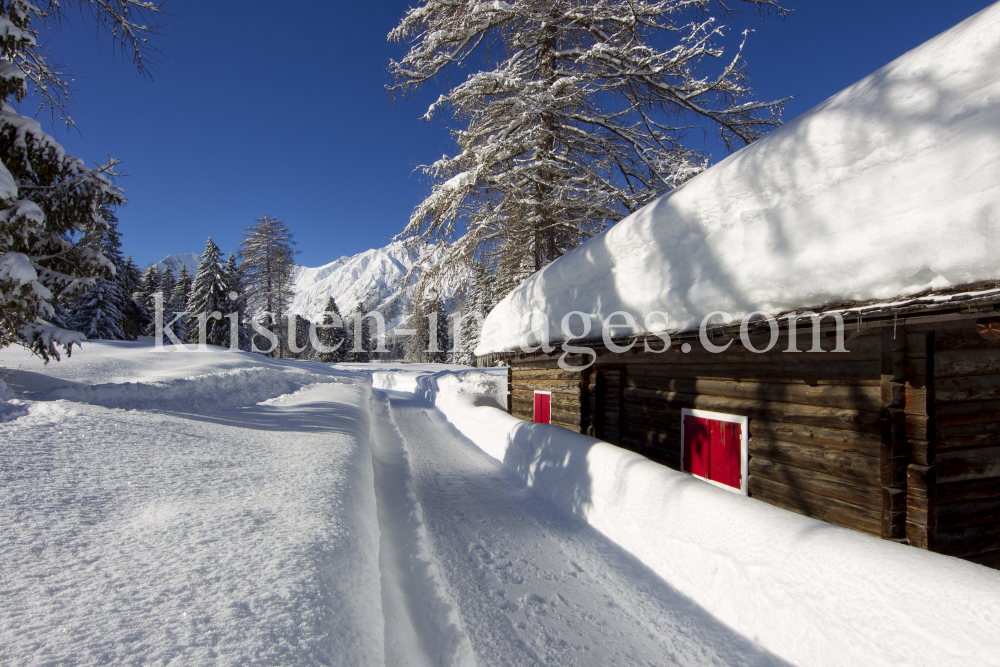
(888, 188)
(393, 515)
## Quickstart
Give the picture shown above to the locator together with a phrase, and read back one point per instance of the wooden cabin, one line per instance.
(899, 437)
(880, 208)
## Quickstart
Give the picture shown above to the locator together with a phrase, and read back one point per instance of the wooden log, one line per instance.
(863, 373)
(546, 374)
(668, 439)
(919, 401)
(835, 439)
(968, 490)
(968, 540)
(815, 506)
(549, 385)
(968, 464)
(575, 428)
(969, 412)
(916, 373)
(557, 396)
(663, 457)
(968, 388)
(663, 423)
(564, 417)
(865, 347)
(859, 495)
(964, 436)
(920, 427)
(783, 412)
(851, 467)
(968, 513)
(957, 363)
(536, 364)
(965, 338)
(834, 396)
(922, 452)
(989, 559)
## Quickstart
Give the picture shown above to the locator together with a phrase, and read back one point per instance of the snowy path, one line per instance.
(533, 588)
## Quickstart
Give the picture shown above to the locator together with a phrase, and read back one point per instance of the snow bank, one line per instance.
(888, 188)
(812, 593)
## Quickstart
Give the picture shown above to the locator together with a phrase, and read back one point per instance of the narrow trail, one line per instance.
(531, 587)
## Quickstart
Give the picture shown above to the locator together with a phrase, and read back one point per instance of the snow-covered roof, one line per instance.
(889, 188)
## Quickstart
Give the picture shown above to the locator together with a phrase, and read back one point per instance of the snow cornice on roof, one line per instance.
(881, 199)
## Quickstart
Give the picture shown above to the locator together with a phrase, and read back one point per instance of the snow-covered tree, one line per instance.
(267, 266)
(51, 204)
(363, 349)
(573, 115)
(442, 338)
(209, 293)
(137, 316)
(332, 335)
(149, 285)
(97, 313)
(479, 301)
(172, 306)
(234, 315)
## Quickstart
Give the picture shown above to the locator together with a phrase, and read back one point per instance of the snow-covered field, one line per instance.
(215, 507)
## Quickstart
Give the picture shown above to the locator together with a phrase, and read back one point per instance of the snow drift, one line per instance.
(812, 593)
(888, 188)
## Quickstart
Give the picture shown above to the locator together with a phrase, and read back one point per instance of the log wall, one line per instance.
(899, 437)
(953, 422)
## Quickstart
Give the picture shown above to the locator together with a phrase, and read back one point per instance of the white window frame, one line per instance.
(744, 423)
(546, 393)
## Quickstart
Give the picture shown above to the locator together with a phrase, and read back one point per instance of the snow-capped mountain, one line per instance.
(375, 278)
(175, 262)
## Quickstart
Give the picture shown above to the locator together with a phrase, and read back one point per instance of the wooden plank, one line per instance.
(968, 464)
(956, 363)
(968, 388)
(828, 486)
(815, 506)
(837, 439)
(835, 396)
(968, 540)
(783, 412)
(863, 373)
(852, 467)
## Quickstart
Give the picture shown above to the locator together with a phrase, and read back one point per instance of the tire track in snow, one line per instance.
(535, 587)
(422, 625)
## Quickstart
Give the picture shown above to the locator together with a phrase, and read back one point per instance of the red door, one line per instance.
(543, 411)
(713, 450)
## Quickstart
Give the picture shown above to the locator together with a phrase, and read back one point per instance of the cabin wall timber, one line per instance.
(899, 437)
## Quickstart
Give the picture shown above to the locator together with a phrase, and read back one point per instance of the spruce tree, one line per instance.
(97, 314)
(236, 305)
(443, 335)
(333, 335)
(137, 316)
(209, 293)
(361, 351)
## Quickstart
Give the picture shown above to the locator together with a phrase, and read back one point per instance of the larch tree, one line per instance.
(267, 272)
(51, 203)
(574, 114)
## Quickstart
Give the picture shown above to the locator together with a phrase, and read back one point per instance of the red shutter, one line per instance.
(713, 450)
(697, 446)
(543, 403)
(726, 437)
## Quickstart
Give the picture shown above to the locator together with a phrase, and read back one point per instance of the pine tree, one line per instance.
(268, 270)
(51, 203)
(578, 115)
(209, 293)
(415, 349)
(149, 285)
(333, 335)
(171, 307)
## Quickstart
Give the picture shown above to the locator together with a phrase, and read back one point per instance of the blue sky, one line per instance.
(257, 110)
